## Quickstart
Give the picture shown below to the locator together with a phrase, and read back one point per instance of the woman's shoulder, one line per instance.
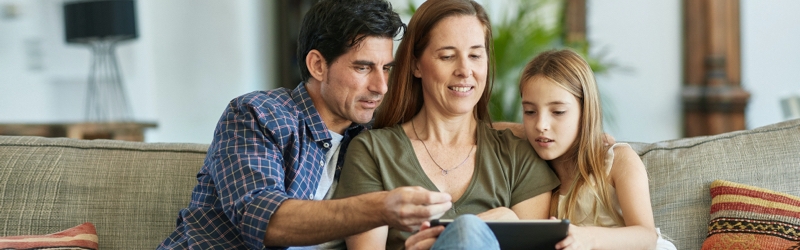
(387, 134)
(503, 137)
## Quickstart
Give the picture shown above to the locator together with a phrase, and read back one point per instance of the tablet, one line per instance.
(524, 234)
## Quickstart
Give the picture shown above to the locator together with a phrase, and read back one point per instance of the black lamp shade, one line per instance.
(88, 21)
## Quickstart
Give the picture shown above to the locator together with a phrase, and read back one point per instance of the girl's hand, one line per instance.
(424, 239)
(576, 239)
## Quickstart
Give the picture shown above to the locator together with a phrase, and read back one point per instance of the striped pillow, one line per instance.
(83, 236)
(747, 217)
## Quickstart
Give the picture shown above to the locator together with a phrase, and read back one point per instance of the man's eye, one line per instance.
(362, 68)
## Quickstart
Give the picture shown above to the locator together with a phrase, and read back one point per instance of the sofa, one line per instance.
(132, 191)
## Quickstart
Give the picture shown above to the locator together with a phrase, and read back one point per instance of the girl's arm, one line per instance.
(629, 178)
(372, 239)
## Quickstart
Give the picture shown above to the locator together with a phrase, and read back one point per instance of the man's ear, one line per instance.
(317, 67)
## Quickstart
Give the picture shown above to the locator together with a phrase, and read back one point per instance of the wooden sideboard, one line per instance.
(126, 131)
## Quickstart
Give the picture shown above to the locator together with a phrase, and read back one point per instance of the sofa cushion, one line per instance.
(748, 217)
(682, 170)
(131, 191)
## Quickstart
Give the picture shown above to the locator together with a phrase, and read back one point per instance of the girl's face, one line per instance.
(454, 65)
(551, 116)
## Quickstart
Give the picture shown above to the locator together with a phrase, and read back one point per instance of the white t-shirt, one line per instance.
(325, 189)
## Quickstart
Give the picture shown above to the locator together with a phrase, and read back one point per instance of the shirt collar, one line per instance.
(312, 118)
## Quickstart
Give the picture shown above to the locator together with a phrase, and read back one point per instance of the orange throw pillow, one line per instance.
(748, 217)
(83, 236)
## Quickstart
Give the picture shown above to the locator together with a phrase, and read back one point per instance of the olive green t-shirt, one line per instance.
(507, 171)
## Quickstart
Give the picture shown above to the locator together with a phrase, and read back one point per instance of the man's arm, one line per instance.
(303, 222)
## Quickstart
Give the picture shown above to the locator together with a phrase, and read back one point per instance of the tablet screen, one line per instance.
(524, 234)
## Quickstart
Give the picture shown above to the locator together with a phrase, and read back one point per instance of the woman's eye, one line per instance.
(529, 112)
(446, 57)
(559, 112)
(475, 56)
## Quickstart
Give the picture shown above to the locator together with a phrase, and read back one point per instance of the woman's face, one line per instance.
(454, 66)
(551, 117)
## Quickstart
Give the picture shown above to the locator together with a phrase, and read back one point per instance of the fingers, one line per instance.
(565, 243)
(422, 196)
(437, 210)
(424, 239)
(409, 207)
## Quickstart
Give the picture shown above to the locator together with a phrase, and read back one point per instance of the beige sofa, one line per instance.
(133, 191)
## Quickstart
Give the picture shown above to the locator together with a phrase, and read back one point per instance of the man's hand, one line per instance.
(498, 213)
(424, 239)
(408, 207)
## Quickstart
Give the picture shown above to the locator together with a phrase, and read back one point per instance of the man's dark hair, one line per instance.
(334, 26)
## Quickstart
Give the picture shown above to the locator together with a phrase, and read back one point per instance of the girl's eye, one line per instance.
(559, 112)
(475, 56)
(529, 112)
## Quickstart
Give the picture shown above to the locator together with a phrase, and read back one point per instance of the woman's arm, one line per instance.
(372, 239)
(629, 178)
(537, 207)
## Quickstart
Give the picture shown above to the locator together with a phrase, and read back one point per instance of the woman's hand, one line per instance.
(498, 213)
(424, 239)
(577, 238)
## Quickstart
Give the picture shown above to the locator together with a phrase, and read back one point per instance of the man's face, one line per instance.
(356, 81)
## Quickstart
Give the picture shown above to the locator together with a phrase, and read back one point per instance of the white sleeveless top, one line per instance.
(585, 210)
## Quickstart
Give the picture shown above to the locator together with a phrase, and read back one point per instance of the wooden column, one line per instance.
(575, 21)
(713, 100)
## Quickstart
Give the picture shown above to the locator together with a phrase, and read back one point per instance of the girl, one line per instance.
(604, 190)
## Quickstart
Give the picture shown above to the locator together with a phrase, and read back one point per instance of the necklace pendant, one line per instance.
(444, 172)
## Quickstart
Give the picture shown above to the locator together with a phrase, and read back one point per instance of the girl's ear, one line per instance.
(317, 67)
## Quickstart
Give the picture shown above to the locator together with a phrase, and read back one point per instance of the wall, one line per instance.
(645, 39)
(770, 57)
(187, 63)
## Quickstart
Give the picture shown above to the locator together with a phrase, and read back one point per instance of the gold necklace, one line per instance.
(444, 171)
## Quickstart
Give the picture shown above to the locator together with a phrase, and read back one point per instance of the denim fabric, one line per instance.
(466, 232)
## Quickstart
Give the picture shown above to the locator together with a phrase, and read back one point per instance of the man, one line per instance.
(276, 154)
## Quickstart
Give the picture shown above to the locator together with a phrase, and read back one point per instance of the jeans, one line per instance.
(466, 232)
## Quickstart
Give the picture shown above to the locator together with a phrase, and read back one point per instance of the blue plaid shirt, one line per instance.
(268, 146)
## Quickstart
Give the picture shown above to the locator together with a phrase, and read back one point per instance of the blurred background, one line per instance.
(193, 56)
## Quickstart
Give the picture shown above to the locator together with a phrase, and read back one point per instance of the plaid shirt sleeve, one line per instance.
(245, 164)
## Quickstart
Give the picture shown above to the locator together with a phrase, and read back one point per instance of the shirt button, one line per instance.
(326, 145)
(312, 196)
(321, 163)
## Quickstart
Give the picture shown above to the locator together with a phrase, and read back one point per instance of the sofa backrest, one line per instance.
(130, 191)
(682, 170)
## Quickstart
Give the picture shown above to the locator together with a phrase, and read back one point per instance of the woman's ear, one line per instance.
(417, 72)
(317, 67)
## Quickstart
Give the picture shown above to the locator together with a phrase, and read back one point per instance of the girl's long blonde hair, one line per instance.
(571, 72)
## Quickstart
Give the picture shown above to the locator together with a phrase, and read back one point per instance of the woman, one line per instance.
(433, 129)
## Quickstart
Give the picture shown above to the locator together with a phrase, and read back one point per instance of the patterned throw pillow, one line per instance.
(747, 217)
(83, 236)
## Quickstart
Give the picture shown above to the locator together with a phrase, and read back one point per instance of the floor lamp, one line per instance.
(101, 25)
